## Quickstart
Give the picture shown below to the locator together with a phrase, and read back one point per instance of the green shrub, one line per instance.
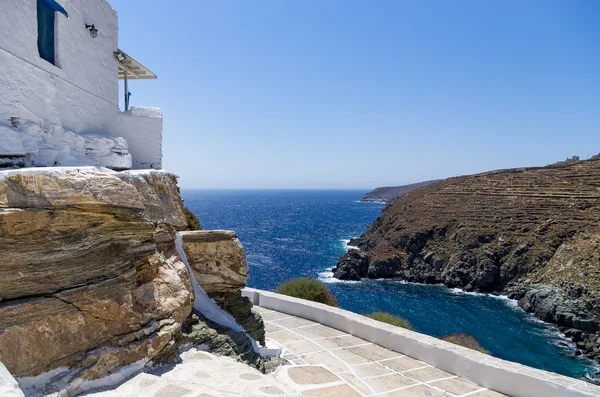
(192, 220)
(465, 340)
(309, 289)
(391, 319)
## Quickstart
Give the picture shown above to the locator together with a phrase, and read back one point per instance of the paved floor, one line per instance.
(361, 368)
(324, 362)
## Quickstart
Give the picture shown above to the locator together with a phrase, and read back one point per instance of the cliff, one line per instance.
(529, 233)
(389, 194)
(92, 281)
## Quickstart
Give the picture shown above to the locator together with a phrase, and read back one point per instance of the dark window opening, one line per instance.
(46, 18)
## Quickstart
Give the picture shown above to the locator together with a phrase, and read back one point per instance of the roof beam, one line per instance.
(127, 68)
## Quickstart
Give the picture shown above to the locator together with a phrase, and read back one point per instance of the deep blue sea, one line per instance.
(293, 233)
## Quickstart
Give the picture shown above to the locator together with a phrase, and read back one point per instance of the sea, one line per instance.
(302, 233)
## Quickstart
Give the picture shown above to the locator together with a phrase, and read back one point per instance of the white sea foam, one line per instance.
(508, 300)
(327, 278)
(347, 246)
(551, 331)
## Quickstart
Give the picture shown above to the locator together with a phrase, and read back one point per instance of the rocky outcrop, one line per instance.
(529, 233)
(222, 341)
(90, 279)
(389, 194)
(354, 265)
(218, 261)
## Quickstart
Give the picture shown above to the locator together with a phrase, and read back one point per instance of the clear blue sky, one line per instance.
(359, 94)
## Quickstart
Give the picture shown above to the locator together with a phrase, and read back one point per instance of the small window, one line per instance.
(46, 17)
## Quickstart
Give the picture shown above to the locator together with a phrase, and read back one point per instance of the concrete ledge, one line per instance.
(513, 379)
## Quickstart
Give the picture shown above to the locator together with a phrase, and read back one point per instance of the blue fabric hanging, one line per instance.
(45, 18)
(54, 6)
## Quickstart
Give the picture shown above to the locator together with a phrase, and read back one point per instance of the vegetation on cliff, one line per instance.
(465, 340)
(192, 220)
(309, 289)
(391, 319)
(529, 233)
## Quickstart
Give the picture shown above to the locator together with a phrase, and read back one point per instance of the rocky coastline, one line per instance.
(530, 234)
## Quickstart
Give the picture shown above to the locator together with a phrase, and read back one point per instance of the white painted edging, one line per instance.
(8, 385)
(505, 377)
(212, 311)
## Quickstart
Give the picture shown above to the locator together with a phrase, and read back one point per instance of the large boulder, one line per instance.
(386, 268)
(90, 278)
(353, 265)
(218, 261)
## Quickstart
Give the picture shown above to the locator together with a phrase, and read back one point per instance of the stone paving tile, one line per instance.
(319, 331)
(303, 347)
(311, 375)
(271, 390)
(428, 374)
(391, 382)
(374, 352)
(272, 316)
(403, 364)
(417, 391)
(350, 357)
(357, 383)
(456, 386)
(272, 327)
(172, 391)
(293, 322)
(289, 356)
(284, 337)
(334, 363)
(340, 341)
(370, 369)
(334, 391)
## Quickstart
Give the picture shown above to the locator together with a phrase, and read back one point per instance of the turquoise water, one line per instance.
(290, 234)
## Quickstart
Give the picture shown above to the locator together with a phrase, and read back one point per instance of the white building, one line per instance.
(60, 67)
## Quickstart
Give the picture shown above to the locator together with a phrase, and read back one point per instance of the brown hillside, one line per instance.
(531, 233)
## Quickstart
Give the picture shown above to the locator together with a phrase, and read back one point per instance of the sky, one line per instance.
(336, 94)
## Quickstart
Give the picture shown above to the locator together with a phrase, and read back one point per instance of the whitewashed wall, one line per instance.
(65, 108)
(142, 128)
(81, 92)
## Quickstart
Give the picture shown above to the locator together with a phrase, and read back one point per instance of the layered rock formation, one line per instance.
(218, 261)
(92, 282)
(529, 233)
(389, 194)
(90, 279)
